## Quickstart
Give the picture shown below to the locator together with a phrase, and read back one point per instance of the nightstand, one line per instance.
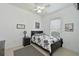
(26, 41)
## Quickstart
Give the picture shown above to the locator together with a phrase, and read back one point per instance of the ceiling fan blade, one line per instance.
(47, 5)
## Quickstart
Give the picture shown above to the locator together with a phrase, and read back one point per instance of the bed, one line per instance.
(49, 44)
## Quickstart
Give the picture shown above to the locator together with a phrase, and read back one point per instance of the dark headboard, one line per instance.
(33, 32)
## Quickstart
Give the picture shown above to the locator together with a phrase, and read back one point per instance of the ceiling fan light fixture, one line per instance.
(39, 7)
(39, 11)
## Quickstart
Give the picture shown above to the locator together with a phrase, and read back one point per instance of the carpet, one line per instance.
(28, 51)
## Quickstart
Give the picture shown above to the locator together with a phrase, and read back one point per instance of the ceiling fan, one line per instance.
(40, 7)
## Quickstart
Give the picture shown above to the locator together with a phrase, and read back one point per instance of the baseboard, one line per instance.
(71, 50)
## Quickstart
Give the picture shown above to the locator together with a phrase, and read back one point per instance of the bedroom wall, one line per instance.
(67, 15)
(9, 17)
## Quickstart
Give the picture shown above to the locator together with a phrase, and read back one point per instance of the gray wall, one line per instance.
(67, 15)
(10, 16)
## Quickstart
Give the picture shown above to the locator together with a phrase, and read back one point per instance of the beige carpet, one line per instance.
(28, 51)
(59, 52)
(39, 52)
(65, 52)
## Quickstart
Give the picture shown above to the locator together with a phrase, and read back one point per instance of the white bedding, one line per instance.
(40, 40)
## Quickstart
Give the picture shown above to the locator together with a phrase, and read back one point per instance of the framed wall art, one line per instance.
(69, 27)
(37, 25)
(20, 26)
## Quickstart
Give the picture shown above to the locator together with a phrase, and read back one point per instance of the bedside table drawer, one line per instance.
(26, 41)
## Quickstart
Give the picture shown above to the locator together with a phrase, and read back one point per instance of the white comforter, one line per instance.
(42, 38)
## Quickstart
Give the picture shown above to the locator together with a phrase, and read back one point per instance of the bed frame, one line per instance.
(54, 46)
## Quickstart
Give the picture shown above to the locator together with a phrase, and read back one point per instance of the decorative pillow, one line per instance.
(55, 34)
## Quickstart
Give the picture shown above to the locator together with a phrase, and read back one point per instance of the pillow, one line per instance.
(55, 34)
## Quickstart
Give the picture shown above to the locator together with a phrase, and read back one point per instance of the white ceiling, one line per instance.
(50, 7)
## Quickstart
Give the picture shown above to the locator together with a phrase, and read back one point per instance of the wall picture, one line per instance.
(20, 26)
(69, 27)
(37, 25)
